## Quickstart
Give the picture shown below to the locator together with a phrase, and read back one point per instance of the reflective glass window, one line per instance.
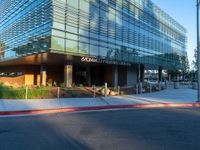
(58, 43)
(73, 3)
(94, 50)
(83, 48)
(71, 46)
(84, 6)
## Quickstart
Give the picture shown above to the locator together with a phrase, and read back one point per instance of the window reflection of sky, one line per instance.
(135, 31)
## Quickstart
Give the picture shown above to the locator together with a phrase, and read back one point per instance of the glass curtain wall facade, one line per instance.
(133, 31)
(25, 27)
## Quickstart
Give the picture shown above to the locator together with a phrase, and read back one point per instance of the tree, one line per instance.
(2, 49)
(185, 63)
(194, 62)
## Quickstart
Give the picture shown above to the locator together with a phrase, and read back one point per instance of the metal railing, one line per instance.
(7, 92)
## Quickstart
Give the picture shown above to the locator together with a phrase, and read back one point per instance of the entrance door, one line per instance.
(80, 75)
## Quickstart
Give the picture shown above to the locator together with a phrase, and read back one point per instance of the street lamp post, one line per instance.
(198, 52)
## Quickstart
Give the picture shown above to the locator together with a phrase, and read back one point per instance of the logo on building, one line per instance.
(89, 59)
(103, 61)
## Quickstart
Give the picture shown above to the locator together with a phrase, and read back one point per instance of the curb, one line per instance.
(76, 109)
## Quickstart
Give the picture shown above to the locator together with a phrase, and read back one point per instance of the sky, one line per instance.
(184, 12)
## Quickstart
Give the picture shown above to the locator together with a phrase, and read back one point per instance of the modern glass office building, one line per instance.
(87, 41)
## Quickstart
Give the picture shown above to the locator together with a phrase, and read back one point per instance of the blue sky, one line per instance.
(183, 11)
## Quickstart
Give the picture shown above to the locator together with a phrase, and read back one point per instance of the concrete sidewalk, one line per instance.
(169, 96)
(165, 96)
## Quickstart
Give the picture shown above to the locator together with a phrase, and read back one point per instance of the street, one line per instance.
(138, 129)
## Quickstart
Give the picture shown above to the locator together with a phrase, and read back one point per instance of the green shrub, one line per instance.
(74, 94)
(85, 95)
(8, 92)
(64, 89)
(62, 85)
(38, 92)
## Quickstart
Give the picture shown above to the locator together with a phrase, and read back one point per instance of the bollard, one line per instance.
(58, 93)
(118, 90)
(150, 88)
(94, 91)
(58, 97)
(26, 95)
(176, 85)
(136, 90)
(159, 86)
(189, 85)
(165, 84)
(141, 87)
(105, 90)
(195, 86)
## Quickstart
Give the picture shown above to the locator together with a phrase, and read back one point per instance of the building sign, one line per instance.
(103, 61)
(89, 59)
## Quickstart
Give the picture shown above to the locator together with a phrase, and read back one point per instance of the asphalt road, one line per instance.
(139, 129)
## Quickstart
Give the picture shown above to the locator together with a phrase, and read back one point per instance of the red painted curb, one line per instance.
(158, 105)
